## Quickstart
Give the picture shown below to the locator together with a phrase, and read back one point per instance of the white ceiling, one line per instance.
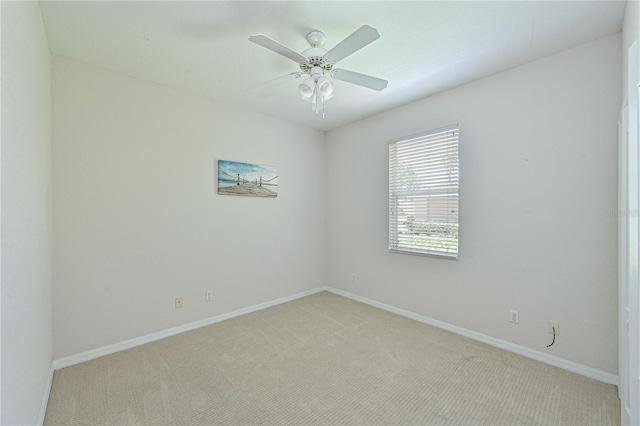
(425, 46)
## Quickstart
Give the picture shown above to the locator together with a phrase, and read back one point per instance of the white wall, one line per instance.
(26, 214)
(538, 174)
(138, 221)
(630, 33)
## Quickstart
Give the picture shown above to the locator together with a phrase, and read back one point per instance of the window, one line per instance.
(423, 193)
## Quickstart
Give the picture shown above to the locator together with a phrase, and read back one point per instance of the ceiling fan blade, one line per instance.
(356, 41)
(359, 79)
(273, 45)
(275, 82)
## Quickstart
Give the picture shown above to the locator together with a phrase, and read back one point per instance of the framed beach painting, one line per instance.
(246, 179)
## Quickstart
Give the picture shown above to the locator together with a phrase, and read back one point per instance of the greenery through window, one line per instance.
(423, 193)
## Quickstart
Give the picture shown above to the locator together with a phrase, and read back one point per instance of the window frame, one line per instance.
(394, 193)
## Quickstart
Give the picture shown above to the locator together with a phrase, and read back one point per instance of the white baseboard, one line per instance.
(127, 344)
(574, 367)
(45, 396)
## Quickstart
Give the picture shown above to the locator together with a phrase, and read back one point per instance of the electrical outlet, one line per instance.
(354, 278)
(178, 302)
(554, 327)
(209, 296)
(514, 316)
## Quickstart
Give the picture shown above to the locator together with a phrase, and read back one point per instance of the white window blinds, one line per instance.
(423, 193)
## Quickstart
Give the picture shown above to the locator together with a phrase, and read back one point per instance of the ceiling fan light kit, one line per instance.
(318, 64)
(307, 87)
(325, 86)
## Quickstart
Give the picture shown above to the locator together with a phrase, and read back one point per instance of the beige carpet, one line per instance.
(324, 359)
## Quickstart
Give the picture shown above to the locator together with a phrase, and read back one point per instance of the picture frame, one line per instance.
(247, 179)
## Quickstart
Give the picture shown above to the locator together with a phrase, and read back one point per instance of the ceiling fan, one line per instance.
(317, 63)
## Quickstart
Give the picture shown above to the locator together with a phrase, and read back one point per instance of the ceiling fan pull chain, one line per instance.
(318, 100)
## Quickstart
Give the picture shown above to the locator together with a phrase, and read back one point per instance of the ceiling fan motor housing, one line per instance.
(315, 54)
(315, 61)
